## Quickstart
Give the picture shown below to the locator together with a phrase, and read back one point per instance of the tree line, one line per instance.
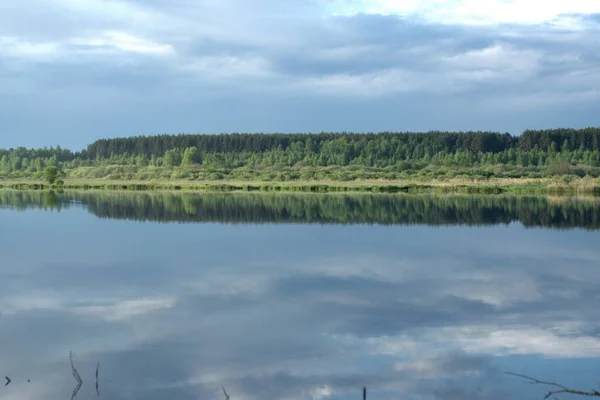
(557, 151)
(354, 144)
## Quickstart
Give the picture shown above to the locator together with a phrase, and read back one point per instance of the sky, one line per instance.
(73, 71)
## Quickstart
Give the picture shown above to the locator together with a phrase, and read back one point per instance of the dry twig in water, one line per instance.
(76, 376)
(225, 393)
(559, 388)
(97, 386)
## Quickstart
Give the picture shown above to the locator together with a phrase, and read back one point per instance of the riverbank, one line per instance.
(547, 186)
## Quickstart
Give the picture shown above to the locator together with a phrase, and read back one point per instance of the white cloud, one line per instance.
(475, 12)
(321, 392)
(104, 42)
(18, 48)
(124, 42)
(502, 59)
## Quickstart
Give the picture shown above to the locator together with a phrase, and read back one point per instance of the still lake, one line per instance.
(293, 296)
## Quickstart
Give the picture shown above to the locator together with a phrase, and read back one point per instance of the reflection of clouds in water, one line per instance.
(493, 340)
(107, 309)
(446, 365)
(526, 340)
(126, 309)
(307, 324)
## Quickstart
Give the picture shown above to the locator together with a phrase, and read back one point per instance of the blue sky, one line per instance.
(72, 71)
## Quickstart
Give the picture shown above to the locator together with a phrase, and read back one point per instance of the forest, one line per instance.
(323, 156)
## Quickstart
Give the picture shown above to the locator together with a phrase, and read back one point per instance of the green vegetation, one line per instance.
(551, 158)
(384, 209)
(51, 174)
(555, 186)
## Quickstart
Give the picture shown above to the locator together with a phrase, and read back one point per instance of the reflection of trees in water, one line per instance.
(327, 209)
(50, 199)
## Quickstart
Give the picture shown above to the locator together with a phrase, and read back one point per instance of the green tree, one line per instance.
(191, 156)
(560, 167)
(169, 158)
(172, 158)
(51, 174)
(4, 165)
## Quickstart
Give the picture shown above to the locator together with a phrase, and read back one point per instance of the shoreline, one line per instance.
(547, 186)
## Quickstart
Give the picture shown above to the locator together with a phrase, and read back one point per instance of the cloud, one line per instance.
(122, 41)
(28, 301)
(121, 67)
(109, 310)
(14, 47)
(228, 68)
(472, 11)
(126, 310)
(528, 340)
(554, 342)
(366, 306)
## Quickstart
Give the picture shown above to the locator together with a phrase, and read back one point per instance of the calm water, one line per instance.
(297, 296)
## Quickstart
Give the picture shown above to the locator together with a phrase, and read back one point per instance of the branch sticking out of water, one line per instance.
(558, 388)
(225, 393)
(76, 376)
(97, 385)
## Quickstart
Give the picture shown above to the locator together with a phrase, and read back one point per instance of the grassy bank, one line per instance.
(547, 186)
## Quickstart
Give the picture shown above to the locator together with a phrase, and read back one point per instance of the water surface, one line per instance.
(297, 296)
